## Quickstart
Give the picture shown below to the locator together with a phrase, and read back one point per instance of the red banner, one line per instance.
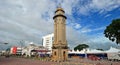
(14, 50)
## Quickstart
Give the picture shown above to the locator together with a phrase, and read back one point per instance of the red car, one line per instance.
(93, 57)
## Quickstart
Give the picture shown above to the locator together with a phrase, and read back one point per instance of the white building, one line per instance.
(111, 50)
(27, 51)
(47, 41)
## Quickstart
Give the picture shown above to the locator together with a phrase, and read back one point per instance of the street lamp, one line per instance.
(5, 43)
(85, 53)
(21, 45)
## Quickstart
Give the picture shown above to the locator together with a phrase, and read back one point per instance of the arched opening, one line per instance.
(64, 55)
(55, 53)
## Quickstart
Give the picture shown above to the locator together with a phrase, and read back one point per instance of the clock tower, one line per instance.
(59, 47)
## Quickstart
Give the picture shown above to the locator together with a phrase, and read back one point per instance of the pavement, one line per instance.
(72, 61)
(23, 61)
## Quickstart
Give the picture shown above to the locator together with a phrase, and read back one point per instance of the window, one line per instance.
(64, 52)
(52, 38)
(55, 53)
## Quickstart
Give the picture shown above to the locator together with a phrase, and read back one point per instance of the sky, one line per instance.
(30, 20)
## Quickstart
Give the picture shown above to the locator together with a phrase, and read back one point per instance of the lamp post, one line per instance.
(7, 50)
(119, 36)
(21, 45)
(85, 53)
(5, 43)
(1, 43)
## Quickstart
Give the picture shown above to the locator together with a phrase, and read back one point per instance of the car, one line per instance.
(93, 57)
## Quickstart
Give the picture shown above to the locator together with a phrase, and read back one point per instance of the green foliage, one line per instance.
(8, 49)
(81, 47)
(112, 32)
(100, 49)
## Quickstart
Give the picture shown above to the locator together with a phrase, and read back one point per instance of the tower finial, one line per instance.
(59, 5)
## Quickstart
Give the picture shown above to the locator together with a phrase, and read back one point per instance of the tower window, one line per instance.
(64, 52)
(55, 53)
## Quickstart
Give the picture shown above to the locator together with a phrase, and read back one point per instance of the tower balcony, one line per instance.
(60, 47)
(60, 15)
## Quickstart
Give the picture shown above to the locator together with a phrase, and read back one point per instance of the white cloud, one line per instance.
(68, 5)
(99, 41)
(107, 15)
(77, 26)
(87, 29)
(74, 37)
(84, 10)
(98, 5)
(26, 21)
(31, 19)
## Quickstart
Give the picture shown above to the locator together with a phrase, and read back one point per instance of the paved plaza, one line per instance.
(24, 61)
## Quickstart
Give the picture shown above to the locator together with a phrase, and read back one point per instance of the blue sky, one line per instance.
(30, 20)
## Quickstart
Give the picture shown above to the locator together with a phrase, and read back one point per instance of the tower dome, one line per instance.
(59, 12)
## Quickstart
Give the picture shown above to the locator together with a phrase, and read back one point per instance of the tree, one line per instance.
(112, 32)
(100, 49)
(81, 47)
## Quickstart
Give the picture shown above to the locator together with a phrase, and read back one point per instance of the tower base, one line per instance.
(59, 55)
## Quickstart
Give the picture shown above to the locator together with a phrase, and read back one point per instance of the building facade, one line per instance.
(28, 50)
(16, 50)
(47, 41)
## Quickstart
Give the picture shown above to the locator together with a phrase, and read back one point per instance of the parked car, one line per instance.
(93, 57)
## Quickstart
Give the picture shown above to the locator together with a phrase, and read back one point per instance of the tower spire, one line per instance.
(59, 5)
